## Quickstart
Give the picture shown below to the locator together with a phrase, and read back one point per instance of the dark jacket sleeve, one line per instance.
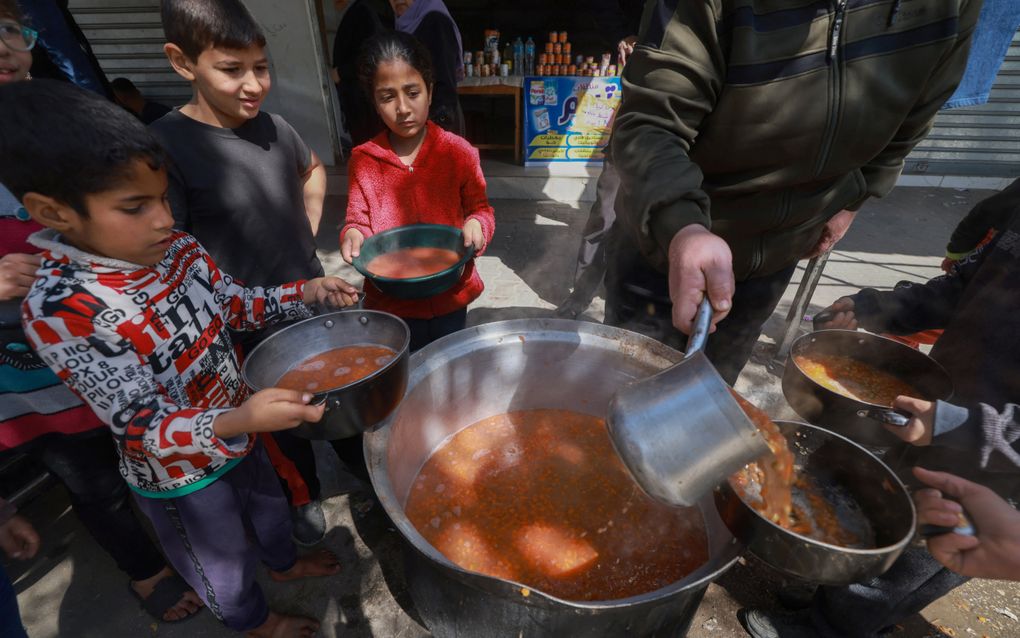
(670, 84)
(914, 307)
(881, 172)
(436, 32)
(988, 214)
(982, 427)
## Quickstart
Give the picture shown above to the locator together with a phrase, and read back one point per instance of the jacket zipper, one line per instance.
(833, 58)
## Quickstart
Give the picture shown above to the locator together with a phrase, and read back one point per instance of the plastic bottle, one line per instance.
(518, 57)
(529, 56)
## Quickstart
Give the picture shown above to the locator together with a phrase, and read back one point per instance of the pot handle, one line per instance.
(331, 404)
(895, 418)
(963, 528)
(702, 323)
(822, 317)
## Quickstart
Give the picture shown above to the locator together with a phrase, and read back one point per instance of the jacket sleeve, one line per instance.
(988, 214)
(913, 307)
(670, 84)
(473, 197)
(116, 382)
(358, 213)
(981, 427)
(248, 309)
(881, 172)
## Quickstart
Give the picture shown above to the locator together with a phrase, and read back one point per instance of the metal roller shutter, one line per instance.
(127, 37)
(979, 140)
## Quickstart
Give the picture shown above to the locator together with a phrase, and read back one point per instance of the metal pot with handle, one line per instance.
(858, 420)
(350, 409)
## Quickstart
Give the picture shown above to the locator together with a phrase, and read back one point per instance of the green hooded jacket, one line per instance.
(761, 119)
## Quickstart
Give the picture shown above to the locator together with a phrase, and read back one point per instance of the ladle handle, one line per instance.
(702, 323)
(963, 528)
(895, 418)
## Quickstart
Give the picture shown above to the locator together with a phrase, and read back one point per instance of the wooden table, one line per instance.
(496, 87)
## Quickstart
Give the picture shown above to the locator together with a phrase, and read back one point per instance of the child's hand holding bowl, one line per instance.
(473, 235)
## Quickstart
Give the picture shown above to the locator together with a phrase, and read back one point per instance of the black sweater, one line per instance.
(978, 307)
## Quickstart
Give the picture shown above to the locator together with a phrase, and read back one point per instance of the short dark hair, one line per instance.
(67, 143)
(10, 9)
(389, 46)
(124, 85)
(196, 25)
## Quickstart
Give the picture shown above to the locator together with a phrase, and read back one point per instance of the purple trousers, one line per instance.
(213, 538)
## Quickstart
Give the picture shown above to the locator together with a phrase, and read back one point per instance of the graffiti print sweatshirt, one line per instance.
(149, 349)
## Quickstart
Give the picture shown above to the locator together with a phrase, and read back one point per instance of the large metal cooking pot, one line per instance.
(867, 498)
(859, 421)
(351, 409)
(497, 368)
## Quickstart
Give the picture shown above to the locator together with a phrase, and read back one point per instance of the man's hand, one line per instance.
(332, 292)
(18, 538)
(995, 551)
(269, 410)
(841, 315)
(17, 274)
(625, 48)
(351, 246)
(919, 429)
(833, 231)
(699, 262)
(473, 235)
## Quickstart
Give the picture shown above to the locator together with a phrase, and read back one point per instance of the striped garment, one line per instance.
(33, 401)
(149, 349)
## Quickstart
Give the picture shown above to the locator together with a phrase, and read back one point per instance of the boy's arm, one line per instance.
(248, 309)
(103, 368)
(988, 214)
(916, 307)
(314, 180)
(474, 199)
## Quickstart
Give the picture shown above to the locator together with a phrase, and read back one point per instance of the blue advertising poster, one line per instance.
(568, 118)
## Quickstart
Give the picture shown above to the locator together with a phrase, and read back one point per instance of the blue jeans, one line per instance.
(10, 617)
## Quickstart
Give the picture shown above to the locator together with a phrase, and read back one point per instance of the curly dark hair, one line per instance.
(388, 47)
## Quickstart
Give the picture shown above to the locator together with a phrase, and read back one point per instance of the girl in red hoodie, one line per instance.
(414, 172)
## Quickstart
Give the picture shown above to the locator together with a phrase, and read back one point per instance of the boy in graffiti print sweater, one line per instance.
(135, 318)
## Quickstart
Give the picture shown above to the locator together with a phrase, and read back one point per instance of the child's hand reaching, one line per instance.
(840, 315)
(17, 274)
(473, 235)
(269, 410)
(995, 551)
(351, 246)
(330, 291)
(18, 538)
(919, 429)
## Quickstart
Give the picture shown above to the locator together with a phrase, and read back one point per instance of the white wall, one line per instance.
(302, 91)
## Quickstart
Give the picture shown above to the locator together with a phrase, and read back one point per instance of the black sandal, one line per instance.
(165, 595)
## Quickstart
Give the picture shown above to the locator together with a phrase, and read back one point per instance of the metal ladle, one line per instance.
(681, 432)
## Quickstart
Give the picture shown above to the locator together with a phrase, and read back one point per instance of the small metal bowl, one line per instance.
(415, 236)
(884, 506)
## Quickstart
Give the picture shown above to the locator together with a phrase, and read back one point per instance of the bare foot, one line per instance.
(321, 562)
(281, 626)
(188, 604)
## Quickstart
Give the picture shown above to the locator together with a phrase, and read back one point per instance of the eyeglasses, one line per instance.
(17, 37)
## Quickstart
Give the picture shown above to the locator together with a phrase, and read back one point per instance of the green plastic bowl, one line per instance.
(415, 236)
